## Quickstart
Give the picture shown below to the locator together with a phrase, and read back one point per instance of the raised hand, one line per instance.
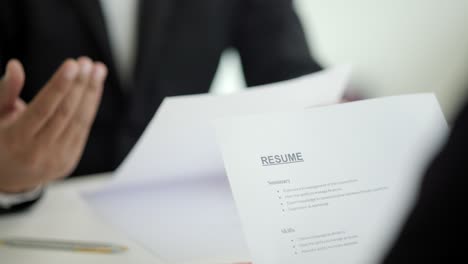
(44, 140)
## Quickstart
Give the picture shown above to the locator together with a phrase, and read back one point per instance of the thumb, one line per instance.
(11, 85)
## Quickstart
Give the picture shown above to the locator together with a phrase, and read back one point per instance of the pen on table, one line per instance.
(237, 262)
(66, 245)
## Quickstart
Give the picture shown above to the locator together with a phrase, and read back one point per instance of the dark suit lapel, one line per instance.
(154, 15)
(152, 25)
(91, 13)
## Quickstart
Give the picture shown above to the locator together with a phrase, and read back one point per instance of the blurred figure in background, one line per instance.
(434, 230)
(152, 48)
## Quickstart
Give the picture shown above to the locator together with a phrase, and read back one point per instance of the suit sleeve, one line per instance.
(431, 233)
(9, 26)
(271, 42)
(3, 34)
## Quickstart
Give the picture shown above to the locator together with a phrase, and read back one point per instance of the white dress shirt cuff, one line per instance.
(8, 200)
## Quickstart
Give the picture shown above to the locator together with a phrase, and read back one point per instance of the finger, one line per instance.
(49, 98)
(62, 117)
(76, 134)
(11, 85)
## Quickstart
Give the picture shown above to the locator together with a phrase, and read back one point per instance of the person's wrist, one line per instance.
(19, 188)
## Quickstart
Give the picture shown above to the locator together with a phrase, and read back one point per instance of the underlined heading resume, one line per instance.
(330, 184)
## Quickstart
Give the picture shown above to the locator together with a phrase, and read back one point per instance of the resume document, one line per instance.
(330, 184)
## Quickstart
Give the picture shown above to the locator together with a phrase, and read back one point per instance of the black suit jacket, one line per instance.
(179, 47)
(436, 229)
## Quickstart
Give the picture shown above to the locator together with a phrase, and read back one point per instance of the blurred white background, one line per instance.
(395, 47)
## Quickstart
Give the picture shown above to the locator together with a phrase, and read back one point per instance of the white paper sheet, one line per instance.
(180, 142)
(346, 186)
(181, 221)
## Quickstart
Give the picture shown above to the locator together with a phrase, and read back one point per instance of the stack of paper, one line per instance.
(172, 195)
(327, 184)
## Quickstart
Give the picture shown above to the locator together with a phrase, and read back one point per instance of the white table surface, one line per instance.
(62, 214)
